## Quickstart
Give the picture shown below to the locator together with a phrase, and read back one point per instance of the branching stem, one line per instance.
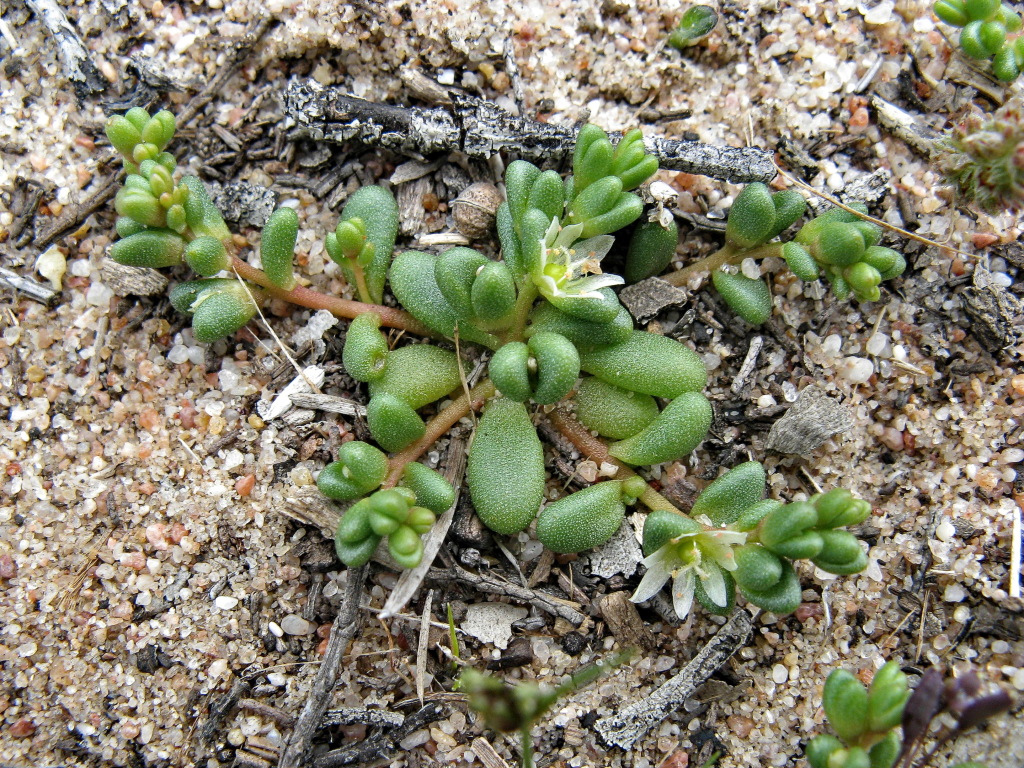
(305, 297)
(438, 426)
(725, 255)
(595, 448)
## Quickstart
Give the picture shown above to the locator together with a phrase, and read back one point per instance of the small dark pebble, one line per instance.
(151, 658)
(519, 653)
(588, 720)
(573, 643)
(470, 557)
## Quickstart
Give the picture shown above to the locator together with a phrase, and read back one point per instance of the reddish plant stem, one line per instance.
(721, 257)
(304, 297)
(596, 449)
(436, 427)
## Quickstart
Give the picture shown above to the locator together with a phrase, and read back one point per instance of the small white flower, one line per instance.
(571, 268)
(703, 555)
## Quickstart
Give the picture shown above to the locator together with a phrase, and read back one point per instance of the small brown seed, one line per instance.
(474, 210)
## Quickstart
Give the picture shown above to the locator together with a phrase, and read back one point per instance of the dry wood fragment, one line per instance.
(30, 288)
(542, 600)
(629, 725)
(481, 129)
(220, 708)
(373, 748)
(649, 298)
(486, 754)
(810, 421)
(132, 281)
(74, 56)
(749, 365)
(342, 630)
(624, 621)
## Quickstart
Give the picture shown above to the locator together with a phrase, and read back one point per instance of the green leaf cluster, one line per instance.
(990, 31)
(838, 245)
(547, 314)
(865, 720)
(399, 514)
(733, 538)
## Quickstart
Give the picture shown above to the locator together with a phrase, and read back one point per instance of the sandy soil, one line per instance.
(145, 558)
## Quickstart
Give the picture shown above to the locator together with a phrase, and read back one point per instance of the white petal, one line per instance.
(592, 283)
(594, 247)
(552, 233)
(568, 235)
(714, 584)
(682, 593)
(650, 585)
(659, 570)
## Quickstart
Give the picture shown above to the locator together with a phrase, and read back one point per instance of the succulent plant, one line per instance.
(733, 538)
(867, 721)
(990, 31)
(837, 245)
(547, 314)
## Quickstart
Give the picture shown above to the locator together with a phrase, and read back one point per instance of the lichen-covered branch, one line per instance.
(480, 129)
(74, 56)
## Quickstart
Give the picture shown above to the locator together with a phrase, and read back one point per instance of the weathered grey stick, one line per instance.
(628, 726)
(480, 129)
(30, 288)
(74, 56)
(344, 627)
(546, 602)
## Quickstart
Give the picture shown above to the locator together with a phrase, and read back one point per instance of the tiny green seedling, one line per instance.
(696, 24)
(868, 721)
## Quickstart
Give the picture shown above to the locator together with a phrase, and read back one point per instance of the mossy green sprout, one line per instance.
(990, 32)
(519, 707)
(985, 159)
(696, 23)
(837, 245)
(735, 539)
(546, 312)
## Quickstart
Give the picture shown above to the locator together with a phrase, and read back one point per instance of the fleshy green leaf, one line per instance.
(432, 490)
(218, 313)
(726, 498)
(586, 336)
(676, 432)
(366, 349)
(493, 295)
(508, 370)
(845, 700)
(752, 217)
(378, 210)
(558, 366)
(393, 423)
(820, 748)
(582, 520)
(277, 247)
(748, 298)
(757, 569)
(647, 363)
(418, 374)
(505, 470)
(207, 256)
(149, 248)
(360, 468)
(651, 249)
(612, 411)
